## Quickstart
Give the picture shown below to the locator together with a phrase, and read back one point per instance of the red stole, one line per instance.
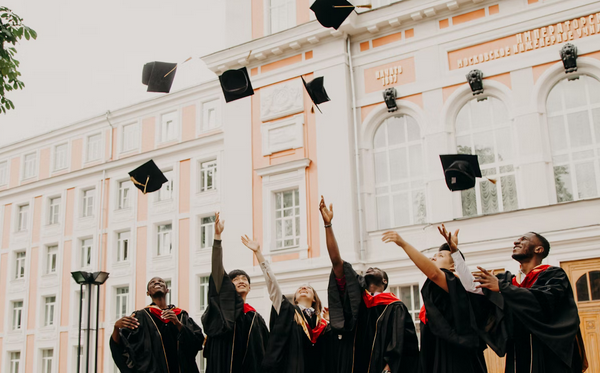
(156, 311)
(531, 277)
(382, 299)
(423, 315)
(316, 332)
(248, 308)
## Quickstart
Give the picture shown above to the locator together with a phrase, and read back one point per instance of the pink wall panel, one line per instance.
(30, 353)
(140, 274)
(184, 186)
(31, 306)
(44, 163)
(76, 154)
(66, 286)
(15, 172)
(188, 121)
(69, 211)
(148, 129)
(184, 265)
(37, 219)
(6, 228)
(3, 274)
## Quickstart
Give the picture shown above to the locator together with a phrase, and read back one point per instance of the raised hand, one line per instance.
(451, 240)
(172, 317)
(128, 322)
(487, 280)
(219, 226)
(252, 245)
(392, 236)
(326, 213)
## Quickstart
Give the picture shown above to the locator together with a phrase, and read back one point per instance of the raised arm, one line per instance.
(426, 266)
(217, 269)
(332, 246)
(275, 293)
(460, 266)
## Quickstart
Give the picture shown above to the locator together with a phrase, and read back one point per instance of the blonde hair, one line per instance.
(316, 304)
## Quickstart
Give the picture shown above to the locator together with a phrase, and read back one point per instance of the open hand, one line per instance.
(392, 236)
(128, 322)
(326, 213)
(487, 280)
(172, 317)
(252, 245)
(219, 224)
(451, 240)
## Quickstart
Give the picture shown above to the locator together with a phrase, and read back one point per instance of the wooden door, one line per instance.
(585, 279)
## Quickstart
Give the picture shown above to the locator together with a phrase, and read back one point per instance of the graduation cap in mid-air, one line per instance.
(148, 177)
(316, 91)
(158, 76)
(236, 84)
(332, 13)
(461, 170)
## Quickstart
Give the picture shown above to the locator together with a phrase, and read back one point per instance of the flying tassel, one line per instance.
(493, 181)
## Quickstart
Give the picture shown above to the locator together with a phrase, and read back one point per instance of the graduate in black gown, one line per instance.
(543, 320)
(158, 338)
(236, 334)
(376, 329)
(449, 339)
(300, 338)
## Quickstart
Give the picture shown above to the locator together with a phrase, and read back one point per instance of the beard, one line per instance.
(158, 294)
(373, 278)
(522, 256)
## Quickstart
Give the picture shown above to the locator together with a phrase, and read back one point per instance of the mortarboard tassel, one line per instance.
(493, 181)
(133, 180)
(173, 69)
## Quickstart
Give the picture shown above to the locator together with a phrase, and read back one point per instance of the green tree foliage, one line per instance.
(12, 30)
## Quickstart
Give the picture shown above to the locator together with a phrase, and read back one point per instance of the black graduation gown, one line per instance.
(371, 337)
(449, 340)
(543, 322)
(228, 328)
(290, 350)
(141, 350)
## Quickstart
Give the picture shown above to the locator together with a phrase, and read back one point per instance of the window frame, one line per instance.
(4, 173)
(202, 171)
(22, 218)
(87, 154)
(202, 293)
(88, 211)
(268, 25)
(134, 143)
(206, 107)
(82, 252)
(296, 225)
(48, 259)
(14, 364)
(119, 258)
(47, 361)
(120, 195)
(166, 192)
(33, 168)
(122, 300)
(49, 311)
(54, 210)
(160, 239)
(20, 264)
(164, 134)
(17, 314)
(207, 229)
(55, 166)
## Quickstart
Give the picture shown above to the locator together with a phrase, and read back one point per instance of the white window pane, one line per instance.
(579, 129)
(574, 93)
(489, 198)
(562, 180)
(401, 209)
(383, 212)
(398, 164)
(381, 167)
(558, 136)
(412, 128)
(586, 180)
(395, 131)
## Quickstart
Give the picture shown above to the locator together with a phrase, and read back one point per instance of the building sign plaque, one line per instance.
(392, 74)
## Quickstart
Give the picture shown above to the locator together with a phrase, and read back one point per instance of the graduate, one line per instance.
(449, 338)
(543, 321)
(158, 338)
(300, 339)
(236, 334)
(378, 333)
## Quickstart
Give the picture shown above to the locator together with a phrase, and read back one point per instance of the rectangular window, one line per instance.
(20, 264)
(282, 15)
(211, 115)
(60, 157)
(54, 211)
(203, 293)
(164, 239)
(51, 259)
(411, 298)
(168, 297)
(207, 229)
(15, 361)
(47, 356)
(17, 314)
(124, 194)
(130, 137)
(123, 246)
(23, 218)
(121, 301)
(166, 191)
(88, 202)
(168, 127)
(94, 143)
(29, 165)
(3, 173)
(49, 306)
(86, 252)
(208, 175)
(287, 219)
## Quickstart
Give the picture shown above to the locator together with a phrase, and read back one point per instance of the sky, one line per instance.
(89, 55)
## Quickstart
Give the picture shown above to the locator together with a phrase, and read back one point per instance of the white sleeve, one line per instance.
(464, 275)
(275, 293)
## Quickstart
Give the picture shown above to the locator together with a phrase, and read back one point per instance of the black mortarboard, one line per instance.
(148, 177)
(236, 84)
(154, 73)
(328, 15)
(316, 91)
(460, 170)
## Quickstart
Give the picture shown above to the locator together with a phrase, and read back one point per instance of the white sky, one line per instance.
(89, 55)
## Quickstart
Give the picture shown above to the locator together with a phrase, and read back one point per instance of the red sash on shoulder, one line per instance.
(423, 315)
(248, 308)
(382, 299)
(316, 332)
(531, 277)
(156, 311)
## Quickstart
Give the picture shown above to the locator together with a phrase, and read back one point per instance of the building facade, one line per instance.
(264, 162)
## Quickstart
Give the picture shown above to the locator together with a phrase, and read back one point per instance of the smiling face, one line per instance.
(526, 247)
(157, 287)
(377, 277)
(241, 283)
(306, 292)
(443, 260)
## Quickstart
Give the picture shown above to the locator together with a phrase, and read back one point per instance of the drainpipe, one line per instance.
(362, 252)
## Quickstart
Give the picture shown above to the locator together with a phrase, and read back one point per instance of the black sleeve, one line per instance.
(120, 360)
(190, 336)
(343, 311)
(223, 308)
(401, 348)
(136, 345)
(280, 327)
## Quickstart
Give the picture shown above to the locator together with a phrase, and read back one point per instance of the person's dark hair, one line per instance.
(238, 272)
(544, 243)
(387, 280)
(446, 247)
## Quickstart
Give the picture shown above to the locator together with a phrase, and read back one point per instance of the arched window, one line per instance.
(573, 112)
(588, 287)
(399, 182)
(484, 128)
